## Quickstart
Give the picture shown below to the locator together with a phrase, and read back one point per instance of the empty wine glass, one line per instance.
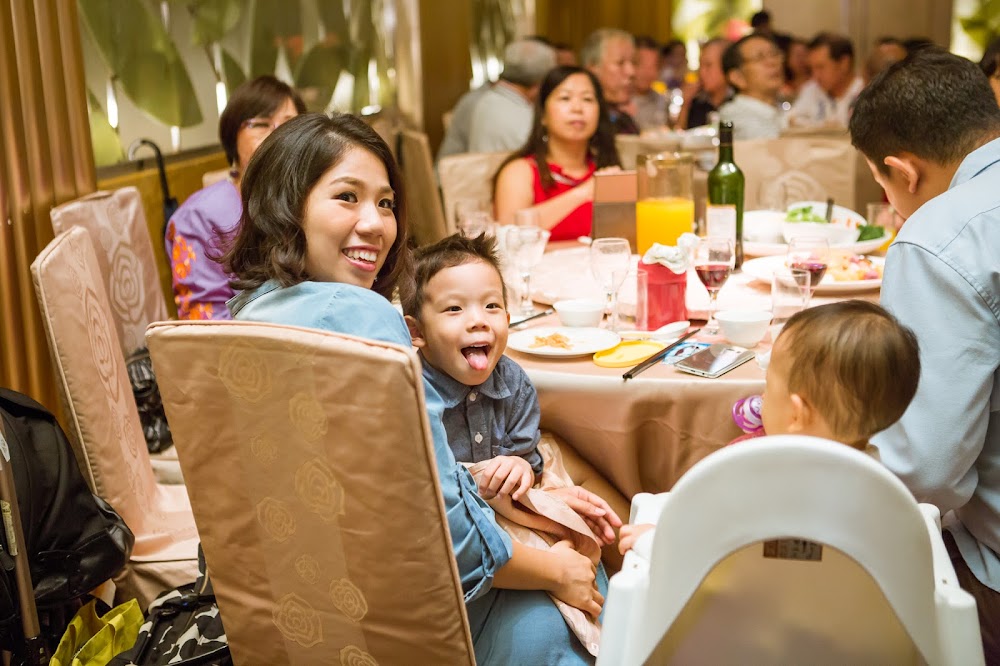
(812, 254)
(525, 247)
(475, 224)
(610, 260)
(464, 208)
(526, 217)
(714, 259)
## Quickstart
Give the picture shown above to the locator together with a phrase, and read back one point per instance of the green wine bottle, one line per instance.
(724, 213)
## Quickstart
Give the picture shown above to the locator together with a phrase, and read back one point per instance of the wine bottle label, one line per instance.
(720, 220)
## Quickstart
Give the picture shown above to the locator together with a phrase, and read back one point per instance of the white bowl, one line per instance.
(835, 234)
(763, 226)
(745, 328)
(580, 312)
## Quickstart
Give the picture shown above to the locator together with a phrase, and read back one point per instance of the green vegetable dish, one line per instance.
(807, 214)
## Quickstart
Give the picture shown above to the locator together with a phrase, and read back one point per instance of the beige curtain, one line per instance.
(45, 159)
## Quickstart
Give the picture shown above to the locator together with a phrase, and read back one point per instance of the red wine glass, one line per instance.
(713, 262)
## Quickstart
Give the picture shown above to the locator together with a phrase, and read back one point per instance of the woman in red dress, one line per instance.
(571, 138)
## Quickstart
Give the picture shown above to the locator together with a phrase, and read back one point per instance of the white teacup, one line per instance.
(745, 328)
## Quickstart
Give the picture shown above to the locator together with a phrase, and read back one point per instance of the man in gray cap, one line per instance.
(501, 120)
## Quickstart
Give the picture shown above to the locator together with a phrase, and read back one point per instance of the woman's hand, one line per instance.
(598, 515)
(575, 580)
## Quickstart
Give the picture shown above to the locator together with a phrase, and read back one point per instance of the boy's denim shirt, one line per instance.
(499, 417)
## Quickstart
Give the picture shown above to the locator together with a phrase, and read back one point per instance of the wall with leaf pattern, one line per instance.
(166, 59)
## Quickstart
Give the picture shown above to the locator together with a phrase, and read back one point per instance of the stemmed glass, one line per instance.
(610, 260)
(713, 262)
(475, 224)
(811, 254)
(525, 247)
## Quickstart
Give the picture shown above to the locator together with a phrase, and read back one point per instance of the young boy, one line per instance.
(457, 314)
(842, 371)
(456, 309)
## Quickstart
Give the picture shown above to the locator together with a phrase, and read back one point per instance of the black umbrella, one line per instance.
(169, 202)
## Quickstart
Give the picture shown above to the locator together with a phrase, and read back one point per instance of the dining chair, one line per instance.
(788, 549)
(467, 176)
(214, 176)
(127, 264)
(630, 146)
(423, 198)
(312, 476)
(103, 419)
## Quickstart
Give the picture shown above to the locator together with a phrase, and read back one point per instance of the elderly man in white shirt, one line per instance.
(754, 67)
(501, 120)
(826, 100)
(929, 128)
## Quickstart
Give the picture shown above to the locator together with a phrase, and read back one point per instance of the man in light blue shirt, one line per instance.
(929, 128)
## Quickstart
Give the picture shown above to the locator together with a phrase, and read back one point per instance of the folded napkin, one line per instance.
(675, 257)
(540, 520)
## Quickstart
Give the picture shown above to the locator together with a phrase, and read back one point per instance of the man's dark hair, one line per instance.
(761, 19)
(646, 42)
(882, 41)
(455, 250)
(991, 59)
(838, 45)
(732, 57)
(935, 105)
(670, 46)
(914, 44)
(269, 241)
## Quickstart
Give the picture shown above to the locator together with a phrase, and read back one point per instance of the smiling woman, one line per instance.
(322, 244)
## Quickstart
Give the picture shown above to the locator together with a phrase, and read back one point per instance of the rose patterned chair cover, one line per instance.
(103, 419)
(312, 475)
(117, 226)
(467, 176)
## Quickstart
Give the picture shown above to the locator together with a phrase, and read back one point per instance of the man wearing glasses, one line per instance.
(754, 67)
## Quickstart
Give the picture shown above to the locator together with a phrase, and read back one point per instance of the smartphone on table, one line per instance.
(715, 361)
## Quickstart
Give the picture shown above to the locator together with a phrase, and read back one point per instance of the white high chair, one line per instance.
(702, 588)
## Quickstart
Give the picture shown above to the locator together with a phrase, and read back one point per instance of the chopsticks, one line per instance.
(829, 210)
(544, 313)
(657, 357)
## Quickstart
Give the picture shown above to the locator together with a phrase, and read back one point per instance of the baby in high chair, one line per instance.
(842, 371)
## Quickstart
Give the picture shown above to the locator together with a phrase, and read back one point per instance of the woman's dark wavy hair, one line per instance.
(602, 143)
(269, 243)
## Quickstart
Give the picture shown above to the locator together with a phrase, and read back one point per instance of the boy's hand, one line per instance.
(506, 475)
(629, 534)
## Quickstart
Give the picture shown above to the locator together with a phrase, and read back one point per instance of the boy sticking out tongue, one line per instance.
(456, 310)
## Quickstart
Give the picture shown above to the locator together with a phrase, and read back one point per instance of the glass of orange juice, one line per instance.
(665, 206)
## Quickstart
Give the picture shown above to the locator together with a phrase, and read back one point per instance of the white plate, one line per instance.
(582, 341)
(762, 270)
(771, 249)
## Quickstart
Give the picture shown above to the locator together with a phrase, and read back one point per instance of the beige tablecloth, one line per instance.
(642, 434)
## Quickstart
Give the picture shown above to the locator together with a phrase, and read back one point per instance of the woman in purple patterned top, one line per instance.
(201, 286)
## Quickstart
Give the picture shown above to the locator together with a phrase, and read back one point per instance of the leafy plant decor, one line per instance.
(211, 20)
(107, 147)
(143, 59)
(983, 25)
(699, 20)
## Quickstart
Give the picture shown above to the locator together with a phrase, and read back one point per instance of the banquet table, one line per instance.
(642, 434)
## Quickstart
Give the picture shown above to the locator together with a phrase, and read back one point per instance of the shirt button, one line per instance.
(478, 437)
(472, 396)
